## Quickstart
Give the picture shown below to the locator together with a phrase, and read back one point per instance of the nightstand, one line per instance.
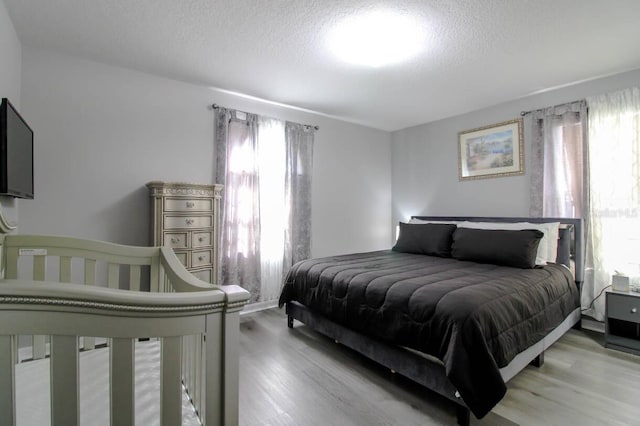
(622, 321)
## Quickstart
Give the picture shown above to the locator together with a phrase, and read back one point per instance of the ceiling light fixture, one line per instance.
(377, 38)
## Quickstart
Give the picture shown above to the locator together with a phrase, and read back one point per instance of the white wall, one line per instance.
(425, 159)
(102, 132)
(10, 65)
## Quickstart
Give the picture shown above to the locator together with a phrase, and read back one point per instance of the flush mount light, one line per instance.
(377, 38)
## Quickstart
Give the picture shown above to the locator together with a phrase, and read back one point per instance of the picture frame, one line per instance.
(491, 151)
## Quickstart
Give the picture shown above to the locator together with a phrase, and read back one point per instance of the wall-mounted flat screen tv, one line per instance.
(16, 153)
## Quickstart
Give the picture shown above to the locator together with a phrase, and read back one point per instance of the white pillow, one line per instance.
(552, 241)
(548, 246)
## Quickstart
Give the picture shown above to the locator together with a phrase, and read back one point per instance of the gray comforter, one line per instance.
(474, 317)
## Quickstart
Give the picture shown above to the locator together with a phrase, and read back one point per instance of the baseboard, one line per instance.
(258, 306)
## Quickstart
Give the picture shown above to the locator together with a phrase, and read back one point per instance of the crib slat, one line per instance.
(134, 277)
(65, 269)
(7, 380)
(199, 373)
(231, 387)
(187, 365)
(157, 286)
(11, 272)
(214, 373)
(39, 267)
(170, 389)
(64, 381)
(185, 361)
(231, 367)
(39, 272)
(154, 274)
(89, 271)
(89, 343)
(122, 386)
(113, 275)
(192, 381)
(113, 281)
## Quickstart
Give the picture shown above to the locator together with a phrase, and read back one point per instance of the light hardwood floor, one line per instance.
(299, 377)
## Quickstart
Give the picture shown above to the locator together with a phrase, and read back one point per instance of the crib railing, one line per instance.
(59, 289)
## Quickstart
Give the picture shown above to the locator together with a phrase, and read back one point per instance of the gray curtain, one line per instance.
(559, 178)
(299, 162)
(237, 169)
(245, 148)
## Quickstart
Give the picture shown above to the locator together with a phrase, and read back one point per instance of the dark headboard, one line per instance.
(576, 234)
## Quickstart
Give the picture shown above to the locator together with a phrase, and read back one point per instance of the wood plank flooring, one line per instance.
(299, 377)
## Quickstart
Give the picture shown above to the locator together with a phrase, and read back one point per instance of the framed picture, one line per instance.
(491, 151)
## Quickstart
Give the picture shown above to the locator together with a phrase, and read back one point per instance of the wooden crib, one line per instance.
(74, 295)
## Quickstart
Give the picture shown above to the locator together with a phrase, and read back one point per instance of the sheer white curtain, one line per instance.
(266, 206)
(237, 166)
(273, 210)
(559, 182)
(614, 167)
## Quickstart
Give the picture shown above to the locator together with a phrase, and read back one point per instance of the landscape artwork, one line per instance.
(491, 151)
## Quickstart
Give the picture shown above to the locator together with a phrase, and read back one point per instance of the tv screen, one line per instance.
(16, 153)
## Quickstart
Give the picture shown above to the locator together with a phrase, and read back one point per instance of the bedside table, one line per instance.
(622, 321)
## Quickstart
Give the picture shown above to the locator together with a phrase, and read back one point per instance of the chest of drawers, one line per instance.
(186, 217)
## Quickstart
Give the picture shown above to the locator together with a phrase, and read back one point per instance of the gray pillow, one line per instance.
(564, 246)
(516, 248)
(431, 239)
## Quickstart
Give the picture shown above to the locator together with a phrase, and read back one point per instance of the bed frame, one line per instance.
(59, 289)
(427, 370)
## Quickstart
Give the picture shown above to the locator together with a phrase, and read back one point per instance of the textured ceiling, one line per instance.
(477, 52)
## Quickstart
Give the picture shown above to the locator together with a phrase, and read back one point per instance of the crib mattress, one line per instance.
(32, 389)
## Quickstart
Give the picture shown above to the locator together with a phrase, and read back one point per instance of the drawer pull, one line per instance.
(634, 310)
(201, 258)
(175, 240)
(190, 204)
(201, 239)
(189, 221)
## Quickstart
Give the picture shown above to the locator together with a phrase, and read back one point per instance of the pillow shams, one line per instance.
(552, 235)
(429, 239)
(516, 248)
(548, 247)
(564, 247)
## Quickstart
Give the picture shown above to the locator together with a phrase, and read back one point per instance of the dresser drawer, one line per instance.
(201, 258)
(188, 204)
(175, 239)
(203, 274)
(177, 222)
(182, 257)
(623, 307)
(201, 239)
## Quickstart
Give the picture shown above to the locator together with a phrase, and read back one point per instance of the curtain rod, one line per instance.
(523, 113)
(216, 106)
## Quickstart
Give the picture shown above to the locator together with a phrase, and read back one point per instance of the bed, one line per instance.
(104, 333)
(459, 305)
